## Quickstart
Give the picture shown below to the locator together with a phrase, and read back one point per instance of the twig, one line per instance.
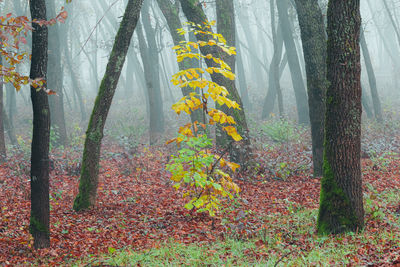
(95, 26)
(283, 256)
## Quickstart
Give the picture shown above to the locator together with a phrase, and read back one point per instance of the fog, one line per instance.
(87, 36)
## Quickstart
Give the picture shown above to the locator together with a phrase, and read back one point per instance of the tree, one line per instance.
(150, 59)
(294, 64)
(171, 14)
(3, 151)
(371, 79)
(313, 38)
(341, 204)
(240, 152)
(86, 197)
(274, 88)
(40, 207)
(55, 80)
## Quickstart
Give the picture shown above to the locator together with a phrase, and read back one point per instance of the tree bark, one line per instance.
(341, 204)
(241, 151)
(40, 207)
(294, 64)
(55, 81)
(88, 184)
(371, 79)
(314, 48)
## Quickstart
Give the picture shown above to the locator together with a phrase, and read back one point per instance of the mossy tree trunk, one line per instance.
(240, 152)
(314, 48)
(40, 206)
(341, 204)
(171, 13)
(86, 197)
(371, 79)
(55, 81)
(294, 63)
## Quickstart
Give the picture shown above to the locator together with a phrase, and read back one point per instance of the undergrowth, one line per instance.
(283, 240)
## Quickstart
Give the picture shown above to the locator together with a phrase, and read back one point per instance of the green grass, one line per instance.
(288, 239)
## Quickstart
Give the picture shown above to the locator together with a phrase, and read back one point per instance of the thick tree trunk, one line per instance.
(372, 79)
(314, 48)
(94, 134)
(294, 64)
(55, 81)
(3, 151)
(341, 204)
(240, 151)
(40, 207)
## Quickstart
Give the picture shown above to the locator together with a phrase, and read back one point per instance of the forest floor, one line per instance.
(140, 216)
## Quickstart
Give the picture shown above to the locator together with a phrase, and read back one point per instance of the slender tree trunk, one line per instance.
(9, 129)
(394, 25)
(394, 56)
(294, 64)
(241, 151)
(75, 84)
(150, 59)
(11, 103)
(341, 204)
(314, 48)
(372, 80)
(91, 154)
(40, 208)
(55, 81)
(274, 88)
(252, 44)
(242, 79)
(3, 151)
(365, 103)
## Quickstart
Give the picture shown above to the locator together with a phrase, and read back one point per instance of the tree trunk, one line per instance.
(11, 103)
(314, 48)
(242, 79)
(274, 87)
(9, 129)
(341, 204)
(3, 151)
(75, 84)
(150, 60)
(294, 64)
(171, 14)
(392, 21)
(40, 207)
(240, 152)
(372, 79)
(55, 81)
(86, 197)
(365, 103)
